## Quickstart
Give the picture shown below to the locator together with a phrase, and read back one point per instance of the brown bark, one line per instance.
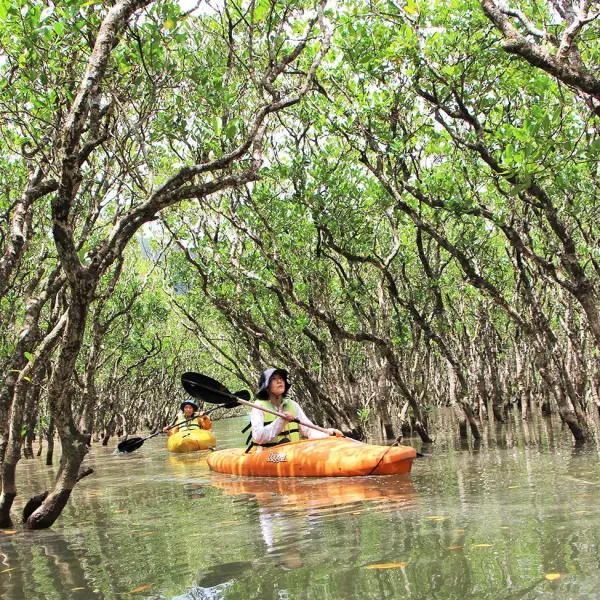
(50, 437)
(31, 412)
(29, 338)
(539, 56)
(17, 412)
(74, 450)
(21, 225)
(572, 422)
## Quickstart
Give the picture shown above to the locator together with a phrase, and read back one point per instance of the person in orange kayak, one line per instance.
(187, 410)
(269, 430)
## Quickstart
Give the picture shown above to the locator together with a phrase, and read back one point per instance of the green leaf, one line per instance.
(28, 355)
(261, 10)
(46, 13)
(411, 8)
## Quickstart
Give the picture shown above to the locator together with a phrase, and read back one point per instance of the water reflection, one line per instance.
(290, 510)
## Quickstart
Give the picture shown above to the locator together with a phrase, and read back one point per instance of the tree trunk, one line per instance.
(33, 396)
(13, 450)
(40, 441)
(9, 487)
(463, 424)
(60, 393)
(50, 449)
(472, 420)
(74, 449)
(570, 418)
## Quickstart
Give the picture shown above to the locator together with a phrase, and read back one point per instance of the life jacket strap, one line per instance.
(285, 432)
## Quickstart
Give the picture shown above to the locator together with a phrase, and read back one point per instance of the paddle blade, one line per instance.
(243, 394)
(130, 445)
(232, 404)
(202, 387)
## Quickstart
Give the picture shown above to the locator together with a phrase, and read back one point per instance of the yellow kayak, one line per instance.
(191, 440)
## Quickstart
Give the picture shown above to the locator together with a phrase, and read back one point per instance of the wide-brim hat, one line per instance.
(265, 379)
(190, 402)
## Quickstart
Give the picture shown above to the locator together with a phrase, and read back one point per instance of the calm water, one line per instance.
(473, 522)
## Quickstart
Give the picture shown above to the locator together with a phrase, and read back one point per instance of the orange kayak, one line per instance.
(325, 457)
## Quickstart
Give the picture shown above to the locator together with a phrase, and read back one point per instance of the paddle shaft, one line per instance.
(267, 410)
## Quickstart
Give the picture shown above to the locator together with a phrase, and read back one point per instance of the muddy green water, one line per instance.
(469, 522)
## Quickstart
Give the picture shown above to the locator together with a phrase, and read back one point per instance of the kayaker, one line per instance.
(187, 410)
(269, 430)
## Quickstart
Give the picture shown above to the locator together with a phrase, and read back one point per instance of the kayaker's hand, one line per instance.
(165, 429)
(335, 432)
(288, 416)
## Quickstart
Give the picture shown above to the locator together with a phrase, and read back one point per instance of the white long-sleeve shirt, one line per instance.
(263, 434)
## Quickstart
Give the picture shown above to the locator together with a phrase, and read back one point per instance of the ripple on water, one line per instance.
(507, 518)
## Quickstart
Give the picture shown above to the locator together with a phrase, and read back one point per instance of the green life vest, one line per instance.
(189, 425)
(290, 432)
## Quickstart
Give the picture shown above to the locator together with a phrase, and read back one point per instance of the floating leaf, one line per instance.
(482, 545)
(459, 530)
(118, 512)
(436, 518)
(9, 532)
(77, 589)
(7, 570)
(226, 522)
(552, 576)
(140, 589)
(150, 533)
(387, 566)
(455, 547)
(513, 487)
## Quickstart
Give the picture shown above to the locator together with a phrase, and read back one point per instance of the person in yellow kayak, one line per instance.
(269, 430)
(187, 410)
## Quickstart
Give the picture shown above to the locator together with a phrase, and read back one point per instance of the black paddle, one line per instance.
(210, 390)
(133, 444)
